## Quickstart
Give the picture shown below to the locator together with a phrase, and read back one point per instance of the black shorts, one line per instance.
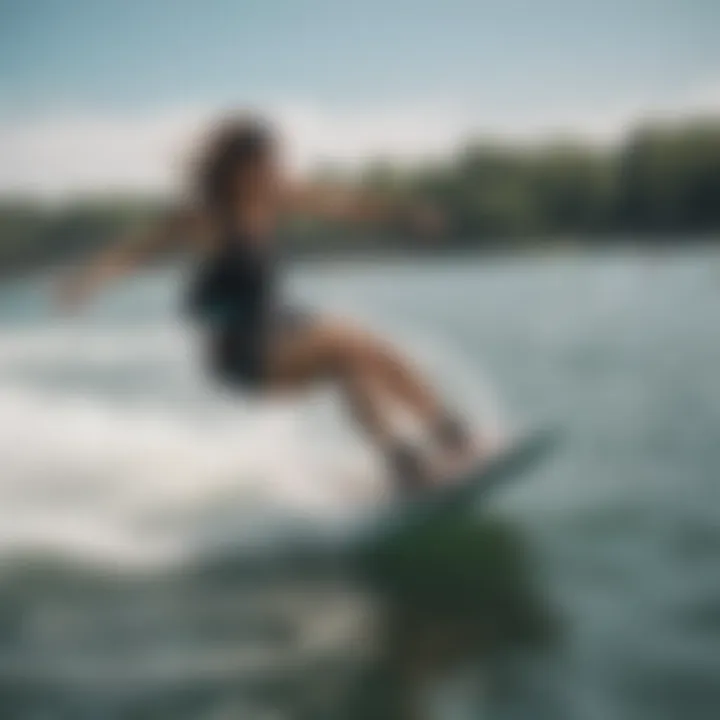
(238, 354)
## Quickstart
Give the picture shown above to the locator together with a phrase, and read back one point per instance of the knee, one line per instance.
(355, 356)
(352, 350)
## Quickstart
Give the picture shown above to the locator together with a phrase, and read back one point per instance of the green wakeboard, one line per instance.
(462, 493)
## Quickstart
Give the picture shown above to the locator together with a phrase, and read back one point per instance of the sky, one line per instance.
(109, 94)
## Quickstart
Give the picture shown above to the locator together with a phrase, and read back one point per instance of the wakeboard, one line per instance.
(463, 491)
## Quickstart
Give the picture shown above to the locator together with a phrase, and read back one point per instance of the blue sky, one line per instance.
(501, 63)
(144, 52)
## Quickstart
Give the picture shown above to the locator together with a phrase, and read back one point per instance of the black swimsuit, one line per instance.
(234, 298)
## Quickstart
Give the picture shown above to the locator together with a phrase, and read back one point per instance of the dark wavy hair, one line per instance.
(233, 146)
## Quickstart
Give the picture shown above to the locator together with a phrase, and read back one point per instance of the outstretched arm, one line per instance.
(336, 202)
(125, 255)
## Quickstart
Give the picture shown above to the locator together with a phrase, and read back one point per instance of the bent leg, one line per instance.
(401, 380)
(319, 353)
(371, 375)
(368, 365)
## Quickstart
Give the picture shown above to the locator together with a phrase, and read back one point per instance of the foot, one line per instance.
(452, 464)
(409, 469)
(457, 447)
(460, 449)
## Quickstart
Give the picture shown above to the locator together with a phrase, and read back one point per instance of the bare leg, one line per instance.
(403, 382)
(319, 354)
(369, 371)
(370, 375)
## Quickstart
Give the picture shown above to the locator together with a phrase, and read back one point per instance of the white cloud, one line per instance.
(93, 152)
(67, 153)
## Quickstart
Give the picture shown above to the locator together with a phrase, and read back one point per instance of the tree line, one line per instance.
(659, 185)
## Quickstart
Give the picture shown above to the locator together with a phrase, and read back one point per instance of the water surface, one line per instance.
(142, 509)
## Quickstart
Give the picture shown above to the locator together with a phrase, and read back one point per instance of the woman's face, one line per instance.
(260, 183)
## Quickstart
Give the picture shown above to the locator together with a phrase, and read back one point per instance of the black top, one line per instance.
(232, 296)
(234, 287)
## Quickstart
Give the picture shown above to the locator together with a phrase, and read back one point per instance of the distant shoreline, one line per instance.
(658, 188)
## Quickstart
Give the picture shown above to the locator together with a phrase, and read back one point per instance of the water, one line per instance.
(150, 563)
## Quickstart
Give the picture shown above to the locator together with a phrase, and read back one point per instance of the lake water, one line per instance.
(146, 516)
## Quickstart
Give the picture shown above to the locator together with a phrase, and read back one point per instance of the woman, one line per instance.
(240, 195)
